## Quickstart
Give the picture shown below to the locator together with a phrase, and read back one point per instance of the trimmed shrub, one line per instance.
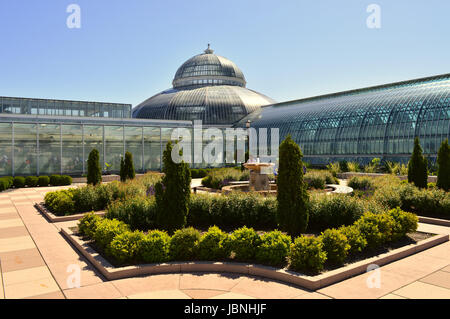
(307, 255)
(94, 175)
(86, 198)
(315, 180)
(431, 185)
(154, 247)
(273, 249)
(404, 223)
(43, 181)
(19, 182)
(61, 202)
(292, 195)
(31, 181)
(106, 230)
(173, 193)
(87, 225)
(199, 211)
(138, 212)
(417, 166)
(443, 162)
(56, 180)
(66, 180)
(377, 229)
(184, 244)
(125, 246)
(5, 183)
(336, 245)
(243, 243)
(356, 240)
(211, 245)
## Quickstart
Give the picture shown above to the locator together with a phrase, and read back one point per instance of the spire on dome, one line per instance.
(208, 50)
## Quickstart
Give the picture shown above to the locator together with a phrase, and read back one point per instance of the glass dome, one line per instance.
(206, 87)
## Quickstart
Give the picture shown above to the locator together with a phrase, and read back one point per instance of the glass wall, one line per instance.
(49, 149)
(25, 149)
(114, 147)
(133, 144)
(93, 139)
(5, 149)
(152, 148)
(72, 155)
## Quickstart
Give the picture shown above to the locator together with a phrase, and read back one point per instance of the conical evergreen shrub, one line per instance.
(443, 161)
(173, 193)
(94, 174)
(292, 193)
(417, 166)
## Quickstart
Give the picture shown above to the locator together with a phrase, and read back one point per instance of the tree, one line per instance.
(173, 193)
(292, 195)
(94, 175)
(417, 167)
(443, 161)
(123, 176)
(127, 167)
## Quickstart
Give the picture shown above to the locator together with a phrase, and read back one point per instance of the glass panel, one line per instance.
(93, 138)
(152, 149)
(72, 155)
(6, 149)
(49, 149)
(113, 147)
(25, 149)
(133, 144)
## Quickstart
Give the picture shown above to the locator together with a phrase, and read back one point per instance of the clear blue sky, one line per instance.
(127, 51)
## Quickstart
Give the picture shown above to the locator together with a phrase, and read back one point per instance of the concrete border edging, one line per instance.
(309, 282)
(434, 221)
(52, 218)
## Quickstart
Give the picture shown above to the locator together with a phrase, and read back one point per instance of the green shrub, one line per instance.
(315, 180)
(56, 180)
(219, 177)
(19, 182)
(211, 245)
(404, 223)
(273, 249)
(417, 166)
(155, 247)
(43, 181)
(173, 193)
(336, 245)
(307, 254)
(125, 246)
(60, 202)
(343, 165)
(377, 229)
(127, 167)
(5, 183)
(94, 175)
(292, 195)
(31, 181)
(66, 180)
(243, 243)
(361, 183)
(87, 225)
(86, 198)
(184, 244)
(138, 212)
(106, 230)
(443, 162)
(356, 240)
(199, 211)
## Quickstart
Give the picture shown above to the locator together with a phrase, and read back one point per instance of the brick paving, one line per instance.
(37, 262)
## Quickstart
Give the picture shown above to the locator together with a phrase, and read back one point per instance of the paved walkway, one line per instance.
(36, 262)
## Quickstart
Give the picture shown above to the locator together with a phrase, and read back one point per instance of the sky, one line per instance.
(127, 51)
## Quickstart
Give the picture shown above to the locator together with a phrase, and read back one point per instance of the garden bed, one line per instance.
(390, 253)
(434, 221)
(52, 218)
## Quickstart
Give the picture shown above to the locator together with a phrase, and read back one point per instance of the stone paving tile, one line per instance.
(31, 288)
(136, 285)
(442, 251)
(25, 275)
(51, 295)
(416, 266)
(357, 288)
(9, 216)
(62, 273)
(2, 295)
(421, 290)
(8, 210)
(15, 222)
(105, 290)
(447, 269)
(439, 278)
(202, 293)
(223, 281)
(161, 294)
(16, 243)
(232, 295)
(312, 295)
(392, 296)
(262, 288)
(21, 259)
(10, 232)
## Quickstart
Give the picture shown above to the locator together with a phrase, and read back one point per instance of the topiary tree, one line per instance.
(292, 193)
(443, 161)
(123, 176)
(417, 166)
(173, 193)
(129, 166)
(94, 175)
